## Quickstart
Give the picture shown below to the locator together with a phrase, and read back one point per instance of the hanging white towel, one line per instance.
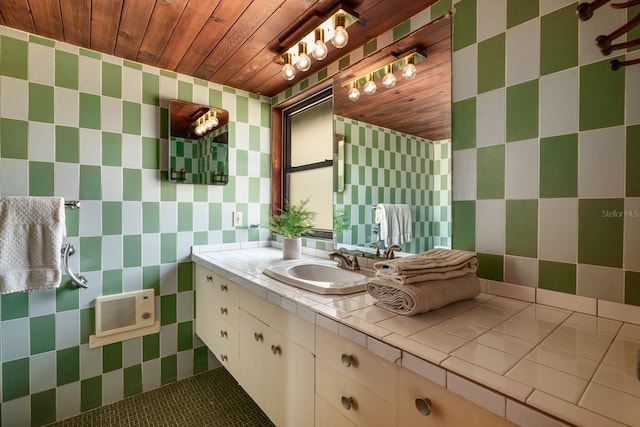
(31, 232)
(395, 223)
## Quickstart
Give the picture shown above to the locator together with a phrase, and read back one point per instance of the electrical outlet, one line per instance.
(237, 219)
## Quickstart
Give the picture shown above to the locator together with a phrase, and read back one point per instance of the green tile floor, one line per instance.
(209, 399)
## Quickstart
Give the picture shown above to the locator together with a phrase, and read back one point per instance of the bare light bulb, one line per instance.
(409, 70)
(354, 93)
(320, 50)
(288, 70)
(340, 36)
(370, 86)
(389, 80)
(304, 62)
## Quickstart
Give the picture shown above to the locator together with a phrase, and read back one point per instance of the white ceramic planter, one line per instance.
(292, 248)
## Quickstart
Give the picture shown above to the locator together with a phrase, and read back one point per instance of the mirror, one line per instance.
(198, 144)
(398, 140)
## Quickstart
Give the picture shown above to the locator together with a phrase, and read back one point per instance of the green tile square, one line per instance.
(557, 276)
(559, 166)
(215, 98)
(491, 267)
(602, 96)
(90, 111)
(200, 193)
(131, 118)
(559, 40)
(464, 124)
(168, 309)
(242, 163)
(90, 182)
(632, 287)
(111, 149)
(111, 80)
(522, 111)
(215, 216)
(150, 153)
(150, 89)
(168, 244)
(111, 218)
(185, 91)
(41, 182)
(150, 217)
(132, 251)
(491, 63)
(185, 276)
(67, 296)
(464, 24)
(43, 407)
(111, 357)
(200, 360)
(242, 109)
(164, 123)
(202, 237)
(490, 172)
(151, 278)
(111, 282)
(68, 365)
(14, 138)
(132, 380)
(520, 11)
(632, 161)
(67, 144)
(522, 228)
(90, 253)
(185, 336)
(440, 8)
(87, 324)
(185, 216)
(91, 393)
(150, 347)
(42, 333)
(132, 184)
(634, 33)
(66, 70)
(168, 191)
(401, 30)
(15, 58)
(15, 379)
(464, 225)
(90, 54)
(265, 115)
(254, 190)
(265, 165)
(168, 369)
(600, 232)
(41, 105)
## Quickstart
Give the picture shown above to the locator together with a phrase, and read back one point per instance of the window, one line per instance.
(307, 155)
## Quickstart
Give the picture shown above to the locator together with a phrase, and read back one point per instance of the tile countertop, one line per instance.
(577, 367)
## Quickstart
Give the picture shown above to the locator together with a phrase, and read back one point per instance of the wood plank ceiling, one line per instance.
(231, 42)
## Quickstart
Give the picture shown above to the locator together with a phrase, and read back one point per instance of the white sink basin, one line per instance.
(323, 277)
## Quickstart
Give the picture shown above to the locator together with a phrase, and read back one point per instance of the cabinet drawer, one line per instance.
(357, 363)
(446, 408)
(328, 416)
(362, 406)
(292, 326)
(226, 348)
(223, 289)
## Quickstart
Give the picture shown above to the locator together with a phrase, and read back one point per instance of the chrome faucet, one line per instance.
(344, 261)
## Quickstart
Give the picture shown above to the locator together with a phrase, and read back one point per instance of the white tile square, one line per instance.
(67, 106)
(41, 62)
(464, 174)
(150, 249)
(183, 248)
(112, 387)
(624, 380)
(566, 301)
(67, 329)
(558, 230)
(150, 121)
(565, 386)
(566, 362)
(68, 406)
(41, 142)
(521, 271)
(151, 375)
(524, 416)
(601, 163)
(491, 19)
(15, 339)
(427, 370)
(603, 21)
(132, 279)
(490, 118)
(505, 343)
(150, 185)
(168, 217)
(618, 311)
(576, 415)
(623, 353)
(464, 72)
(185, 302)
(521, 170)
(632, 234)
(14, 102)
(623, 407)
(486, 357)
(90, 147)
(111, 114)
(201, 216)
(559, 103)
(14, 177)
(131, 84)
(111, 252)
(89, 75)
(111, 183)
(131, 151)
(523, 52)
(477, 394)
(185, 364)
(168, 339)
(13, 412)
(600, 282)
(490, 226)
(131, 352)
(67, 180)
(168, 280)
(131, 218)
(90, 361)
(42, 302)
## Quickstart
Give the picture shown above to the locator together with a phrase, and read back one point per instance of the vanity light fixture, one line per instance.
(370, 86)
(409, 70)
(354, 93)
(389, 80)
(333, 27)
(208, 121)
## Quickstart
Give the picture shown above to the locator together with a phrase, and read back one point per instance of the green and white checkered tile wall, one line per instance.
(93, 127)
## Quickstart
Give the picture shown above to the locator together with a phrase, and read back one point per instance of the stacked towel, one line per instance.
(31, 232)
(419, 283)
(395, 223)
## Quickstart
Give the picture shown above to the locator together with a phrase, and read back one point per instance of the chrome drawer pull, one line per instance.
(223, 310)
(257, 336)
(423, 405)
(223, 334)
(223, 288)
(347, 359)
(209, 278)
(223, 357)
(347, 403)
(275, 349)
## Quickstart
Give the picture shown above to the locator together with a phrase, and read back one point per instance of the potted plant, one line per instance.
(292, 222)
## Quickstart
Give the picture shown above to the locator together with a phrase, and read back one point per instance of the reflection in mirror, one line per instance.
(198, 144)
(398, 140)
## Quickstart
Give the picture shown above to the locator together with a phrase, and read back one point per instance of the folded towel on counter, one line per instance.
(31, 232)
(424, 296)
(395, 223)
(434, 264)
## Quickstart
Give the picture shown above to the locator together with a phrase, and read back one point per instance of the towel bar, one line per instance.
(72, 204)
(78, 281)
